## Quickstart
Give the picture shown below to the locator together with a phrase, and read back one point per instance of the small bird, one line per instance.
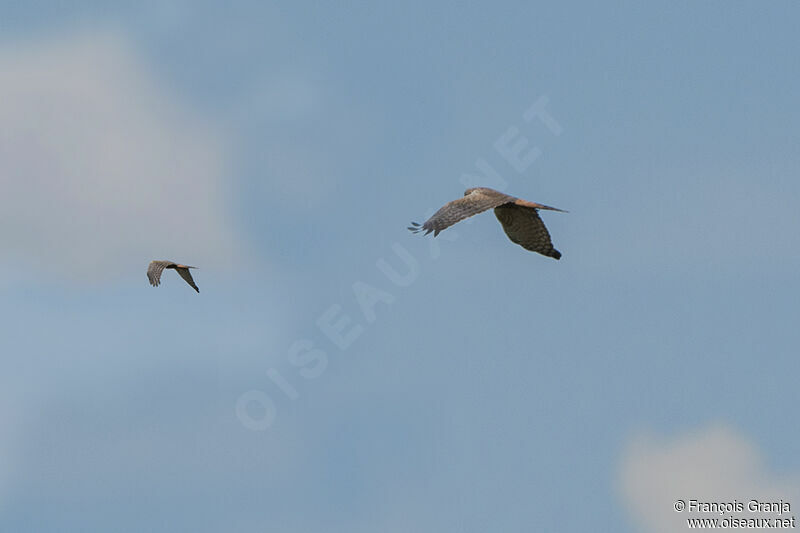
(157, 267)
(520, 218)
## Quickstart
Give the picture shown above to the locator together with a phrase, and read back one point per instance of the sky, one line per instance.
(337, 373)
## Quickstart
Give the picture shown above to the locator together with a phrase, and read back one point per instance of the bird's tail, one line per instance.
(526, 203)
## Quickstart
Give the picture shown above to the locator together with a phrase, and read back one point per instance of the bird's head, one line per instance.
(471, 190)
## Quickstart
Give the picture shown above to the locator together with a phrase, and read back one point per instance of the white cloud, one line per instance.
(101, 166)
(713, 465)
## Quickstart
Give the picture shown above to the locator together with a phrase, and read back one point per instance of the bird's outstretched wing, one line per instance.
(474, 201)
(155, 269)
(186, 275)
(524, 227)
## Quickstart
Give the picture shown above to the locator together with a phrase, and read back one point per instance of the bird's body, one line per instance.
(520, 218)
(155, 269)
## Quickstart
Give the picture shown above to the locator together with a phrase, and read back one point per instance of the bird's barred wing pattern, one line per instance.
(475, 202)
(524, 227)
(186, 275)
(155, 269)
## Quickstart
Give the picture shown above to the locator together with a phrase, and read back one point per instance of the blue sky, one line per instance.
(283, 148)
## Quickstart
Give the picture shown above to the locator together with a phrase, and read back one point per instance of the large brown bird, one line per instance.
(520, 218)
(157, 267)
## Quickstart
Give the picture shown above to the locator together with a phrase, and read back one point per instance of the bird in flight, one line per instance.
(520, 218)
(157, 267)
